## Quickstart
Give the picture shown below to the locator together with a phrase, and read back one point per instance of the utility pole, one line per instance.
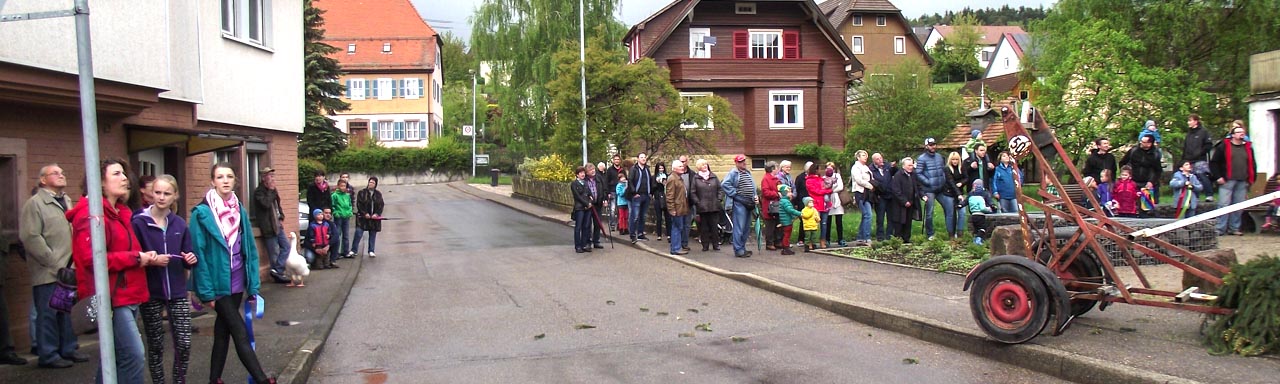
(93, 176)
(582, 61)
(473, 125)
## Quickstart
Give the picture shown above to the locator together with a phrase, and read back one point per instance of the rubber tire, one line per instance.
(1038, 300)
(1085, 265)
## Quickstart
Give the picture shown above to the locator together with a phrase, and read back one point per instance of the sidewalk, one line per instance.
(288, 337)
(1129, 344)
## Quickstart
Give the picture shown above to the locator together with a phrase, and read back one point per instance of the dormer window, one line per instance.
(881, 20)
(744, 8)
(386, 47)
(857, 20)
(351, 49)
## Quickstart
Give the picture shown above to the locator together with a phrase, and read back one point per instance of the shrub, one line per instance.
(1253, 291)
(444, 154)
(548, 168)
(307, 169)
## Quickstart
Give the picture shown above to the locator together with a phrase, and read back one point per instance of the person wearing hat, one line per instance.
(740, 197)
(317, 244)
(930, 171)
(266, 202)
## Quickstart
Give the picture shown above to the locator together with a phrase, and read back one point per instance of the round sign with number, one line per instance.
(468, 130)
(1020, 145)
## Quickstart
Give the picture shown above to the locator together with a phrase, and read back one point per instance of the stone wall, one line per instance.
(551, 194)
(359, 180)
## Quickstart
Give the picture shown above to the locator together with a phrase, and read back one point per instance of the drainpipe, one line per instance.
(821, 123)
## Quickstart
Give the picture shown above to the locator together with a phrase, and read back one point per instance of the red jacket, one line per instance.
(1125, 193)
(817, 192)
(127, 278)
(768, 194)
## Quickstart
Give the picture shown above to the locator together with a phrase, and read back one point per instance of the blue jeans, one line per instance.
(55, 338)
(1233, 191)
(678, 225)
(864, 228)
(1008, 205)
(342, 223)
(824, 226)
(582, 229)
(635, 217)
(130, 359)
(373, 238)
(928, 213)
(740, 227)
(277, 250)
(953, 218)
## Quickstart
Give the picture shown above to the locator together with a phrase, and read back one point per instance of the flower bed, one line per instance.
(959, 255)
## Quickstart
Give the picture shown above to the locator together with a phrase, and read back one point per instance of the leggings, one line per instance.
(838, 220)
(179, 324)
(230, 325)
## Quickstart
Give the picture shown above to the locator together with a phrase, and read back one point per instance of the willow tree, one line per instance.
(518, 38)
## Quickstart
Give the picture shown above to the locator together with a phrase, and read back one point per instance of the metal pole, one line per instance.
(89, 128)
(1222, 211)
(582, 61)
(473, 125)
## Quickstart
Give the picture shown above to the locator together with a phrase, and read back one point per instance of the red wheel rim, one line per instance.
(1007, 303)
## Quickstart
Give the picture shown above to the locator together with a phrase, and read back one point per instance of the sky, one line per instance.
(452, 15)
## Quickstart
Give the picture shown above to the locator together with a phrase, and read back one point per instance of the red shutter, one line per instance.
(791, 45)
(741, 44)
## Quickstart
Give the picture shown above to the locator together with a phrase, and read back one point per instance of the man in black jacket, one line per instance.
(595, 185)
(639, 188)
(270, 220)
(1100, 159)
(908, 194)
(979, 166)
(1196, 150)
(1145, 160)
(582, 202)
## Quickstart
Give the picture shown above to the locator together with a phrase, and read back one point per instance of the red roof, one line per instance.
(370, 25)
(987, 34)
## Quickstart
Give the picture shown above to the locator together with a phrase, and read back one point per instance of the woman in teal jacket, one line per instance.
(222, 239)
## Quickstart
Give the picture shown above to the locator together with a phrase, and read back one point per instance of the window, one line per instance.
(355, 89)
(257, 158)
(385, 130)
(689, 124)
(384, 89)
(785, 109)
(698, 47)
(855, 43)
(766, 44)
(986, 56)
(412, 88)
(247, 20)
(744, 8)
(900, 45)
(386, 47)
(1006, 63)
(411, 131)
(857, 19)
(881, 20)
(224, 156)
(351, 49)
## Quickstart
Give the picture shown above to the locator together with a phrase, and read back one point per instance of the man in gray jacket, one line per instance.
(929, 171)
(46, 234)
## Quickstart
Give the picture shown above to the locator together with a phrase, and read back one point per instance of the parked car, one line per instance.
(304, 219)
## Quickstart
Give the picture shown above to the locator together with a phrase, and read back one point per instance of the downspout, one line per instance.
(821, 123)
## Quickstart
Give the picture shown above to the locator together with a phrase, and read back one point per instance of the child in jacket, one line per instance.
(1125, 193)
(621, 193)
(1186, 190)
(787, 215)
(342, 214)
(162, 231)
(979, 205)
(317, 244)
(809, 216)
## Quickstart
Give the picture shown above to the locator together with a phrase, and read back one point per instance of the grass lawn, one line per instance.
(948, 87)
(503, 179)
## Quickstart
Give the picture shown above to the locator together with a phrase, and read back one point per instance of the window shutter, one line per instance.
(348, 91)
(741, 44)
(420, 94)
(399, 130)
(373, 125)
(397, 87)
(422, 129)
(791, 45)
(373, 89)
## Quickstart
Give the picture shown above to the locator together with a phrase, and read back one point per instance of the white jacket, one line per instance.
(836, 208)
(861, 175)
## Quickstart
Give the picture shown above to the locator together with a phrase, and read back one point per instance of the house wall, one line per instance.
(250, 85)
(1264, 128)
(1005, 61)
(878, 55)
(428, 103)
(990, 50)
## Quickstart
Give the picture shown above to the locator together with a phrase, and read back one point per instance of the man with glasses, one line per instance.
(1233, 169)
(1195, 149)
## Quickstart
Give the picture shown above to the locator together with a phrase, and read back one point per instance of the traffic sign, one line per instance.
(468, 130)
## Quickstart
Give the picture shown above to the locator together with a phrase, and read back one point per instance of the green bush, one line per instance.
(1253, 290)
(444, 154)
(547, 168)
(307, 169)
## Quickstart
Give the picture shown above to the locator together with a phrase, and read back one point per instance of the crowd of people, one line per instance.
(891, 196)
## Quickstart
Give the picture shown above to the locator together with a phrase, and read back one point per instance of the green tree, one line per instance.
(632, 106)
(518, 38)
(459, 61)
(893, 113)
(459, 64)
(955, 59)
(320, 138)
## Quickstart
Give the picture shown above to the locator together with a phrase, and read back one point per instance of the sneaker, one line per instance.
(598, 246)
(77, 357)
(642, 238)
(788, 251)
(930, 238)
(372, 255)
(12, 359)
(57, 364)
(578, 250)
(1209, 199)
(633, 241)
(588, 249)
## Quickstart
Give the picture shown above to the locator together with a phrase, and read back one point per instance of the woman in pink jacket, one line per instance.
(818, 190)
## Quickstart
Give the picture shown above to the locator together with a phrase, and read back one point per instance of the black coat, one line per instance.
(581, 195)
(1196, 145)
(953, 176)
(1145, 163)
(976, 167)
(706, 193)
(602, 194)
(611, 178)
(368, 201)
(882, 179)
(1096, 163)
(318, 199)
(634, 181)
(660, 194)
(801, 191)
(906, 188)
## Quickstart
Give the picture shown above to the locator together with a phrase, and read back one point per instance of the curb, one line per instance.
(298, 371)
(1062, 364)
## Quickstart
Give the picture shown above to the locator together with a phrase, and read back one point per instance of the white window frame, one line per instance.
(411, 130)
(798, 113)
(229, 12)
(351, 49)
(857, 44)
(385, 88)
(357, 90)
(711, 124)
(386, 130)
(857, 19)
(243, 19)
(744, 8)
(697, 48)
(386, 48)
(411, 88)
(899, 45)
(882, 20)
(751, 42)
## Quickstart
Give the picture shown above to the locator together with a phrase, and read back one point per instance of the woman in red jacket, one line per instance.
(125, 263)
(818, 190)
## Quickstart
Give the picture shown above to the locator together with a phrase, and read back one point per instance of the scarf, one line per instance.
(226, 214)
(704, 174)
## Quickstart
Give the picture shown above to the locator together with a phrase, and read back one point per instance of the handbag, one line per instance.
(64, 289)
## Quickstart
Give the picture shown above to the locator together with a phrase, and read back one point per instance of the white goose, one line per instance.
(296, 266)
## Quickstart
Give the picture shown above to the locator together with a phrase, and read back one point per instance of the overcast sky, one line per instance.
(456, 12)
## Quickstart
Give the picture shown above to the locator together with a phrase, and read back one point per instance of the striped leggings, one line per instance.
(180, 324)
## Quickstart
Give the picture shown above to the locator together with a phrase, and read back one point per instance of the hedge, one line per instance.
(444, 154)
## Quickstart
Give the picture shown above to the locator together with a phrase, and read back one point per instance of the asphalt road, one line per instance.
(468, 291)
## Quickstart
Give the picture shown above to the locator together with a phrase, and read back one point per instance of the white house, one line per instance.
(988, 36)
(1264, 109)
(1008, 54)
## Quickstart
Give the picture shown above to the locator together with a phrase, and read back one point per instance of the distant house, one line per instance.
(988, 37)
(1264, 109)
(784, 71)
(877, 33)
(1009, 53)
(394, 74)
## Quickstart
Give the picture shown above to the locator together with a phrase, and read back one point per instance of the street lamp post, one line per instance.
(473, 125)
(582, 61)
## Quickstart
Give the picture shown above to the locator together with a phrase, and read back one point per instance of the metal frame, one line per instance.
(1093, 225)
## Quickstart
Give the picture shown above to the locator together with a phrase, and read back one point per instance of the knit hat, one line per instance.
(1149, 124)
(807, 200)
(977, 184)
(317, 212)
(783, 188)
(830, 172)
(976, 133)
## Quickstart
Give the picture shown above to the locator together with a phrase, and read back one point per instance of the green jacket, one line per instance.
(212, 275)
(341, 204)
(788, 213)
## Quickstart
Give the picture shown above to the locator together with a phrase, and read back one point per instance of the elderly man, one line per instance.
(266, 202)
(740, 197)
(46, 234)
(678, 206)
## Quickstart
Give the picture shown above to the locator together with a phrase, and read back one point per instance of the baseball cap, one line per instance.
(739, 158)
(266, 170)
(929, 141)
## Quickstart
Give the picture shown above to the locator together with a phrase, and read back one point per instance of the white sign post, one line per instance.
(470, 130)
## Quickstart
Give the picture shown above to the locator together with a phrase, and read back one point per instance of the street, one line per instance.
(466, 290)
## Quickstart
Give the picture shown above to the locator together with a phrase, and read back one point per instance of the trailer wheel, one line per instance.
(1010, 303)
(1084, 267)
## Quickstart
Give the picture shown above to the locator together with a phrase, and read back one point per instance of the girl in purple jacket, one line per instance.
(162, 231)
